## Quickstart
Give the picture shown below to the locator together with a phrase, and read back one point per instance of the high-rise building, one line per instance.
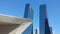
(43, 20)
(51, 30)
(28, 14)
(47, 28)
(37, 31)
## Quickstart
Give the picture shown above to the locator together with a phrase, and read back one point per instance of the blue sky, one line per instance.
(17, 7)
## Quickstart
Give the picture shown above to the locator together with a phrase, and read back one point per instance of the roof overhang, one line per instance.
(13, 25)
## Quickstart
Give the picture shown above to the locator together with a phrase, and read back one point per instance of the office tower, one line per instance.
(43, 20)
(37, 31)
(51, 30)
(47, 28)
(28, 14)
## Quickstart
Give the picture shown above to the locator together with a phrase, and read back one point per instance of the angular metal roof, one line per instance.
(13, 24)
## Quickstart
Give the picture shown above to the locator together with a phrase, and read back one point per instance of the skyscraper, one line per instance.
(47, 28)
(28, 14)
(43, 20)
(37, 31)
(51, 30)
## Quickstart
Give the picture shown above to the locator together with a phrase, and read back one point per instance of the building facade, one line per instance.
(43, 20)
(37, 31)
(51, 30)
(28, 14)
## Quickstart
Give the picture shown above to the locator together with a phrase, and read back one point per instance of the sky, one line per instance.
(17, 8)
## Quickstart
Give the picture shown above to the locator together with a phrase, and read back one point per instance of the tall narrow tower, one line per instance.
(37, 31)
(51, 30)
(43, 20)
(28, 14)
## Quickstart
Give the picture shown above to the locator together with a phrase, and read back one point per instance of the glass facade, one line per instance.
(28, 14)
(47, 28)
(43, 22)
(36, 31)
(51, 30)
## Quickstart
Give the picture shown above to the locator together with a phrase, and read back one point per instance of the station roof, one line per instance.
(13, 25)
(7, 19)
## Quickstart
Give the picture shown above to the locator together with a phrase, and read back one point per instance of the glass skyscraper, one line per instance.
(28, 14)
(51, 30)
(43, 20)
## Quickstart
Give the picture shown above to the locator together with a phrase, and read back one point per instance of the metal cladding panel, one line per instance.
(6, 19)
(42, 19)
(13, 25)
(28, 14)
